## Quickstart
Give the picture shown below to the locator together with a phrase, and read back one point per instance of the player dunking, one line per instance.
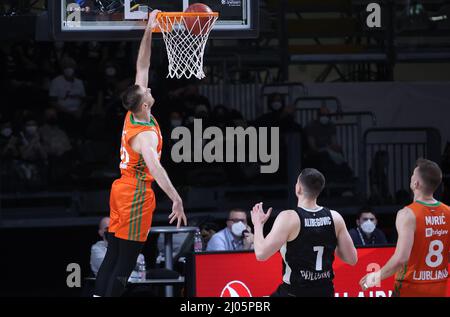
(132, 200)
(422, 252)
(307, 238)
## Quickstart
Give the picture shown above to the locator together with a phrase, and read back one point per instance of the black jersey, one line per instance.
(308, 259)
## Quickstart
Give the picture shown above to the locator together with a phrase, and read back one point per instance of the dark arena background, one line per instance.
(358, 89)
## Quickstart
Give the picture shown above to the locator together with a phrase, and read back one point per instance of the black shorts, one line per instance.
(285, 290)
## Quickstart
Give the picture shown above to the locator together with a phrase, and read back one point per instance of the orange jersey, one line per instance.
(427, 270)
(132, 165)
(132, 201)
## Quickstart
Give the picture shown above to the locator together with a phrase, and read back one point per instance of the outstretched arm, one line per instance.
(148, 142)
(345, 250)
(278, 236)
(406, 226)
(145, 50)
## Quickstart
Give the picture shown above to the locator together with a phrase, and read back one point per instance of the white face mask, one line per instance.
(368, 226)
(237, 228)
(6, 132)
(68, 72)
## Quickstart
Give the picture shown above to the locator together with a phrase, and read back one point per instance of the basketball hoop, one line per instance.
(185, 35)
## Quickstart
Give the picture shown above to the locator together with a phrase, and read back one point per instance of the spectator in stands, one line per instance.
(189, 97)
(378, 179)
(101, 118)
(237, 119)
(9, 154)
(55, 140)
(29, 58)
(67, 94)
(208, 230)
(220, 117)
(109, 93)
(58, 54)
(324, 152)
(32, 168)
(236, 236)
(52, 61)
(176, 119)
(279, 115)
(98, 250)
(31, 148)
(9, 62)
(91, 60)
(366, 233)
(8, 142)
(201, 111)
(57, 145)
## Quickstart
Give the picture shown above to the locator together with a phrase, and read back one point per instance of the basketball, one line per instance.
(201, 26)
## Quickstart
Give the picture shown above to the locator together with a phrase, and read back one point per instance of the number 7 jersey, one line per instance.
(132, 165)
(426, 272)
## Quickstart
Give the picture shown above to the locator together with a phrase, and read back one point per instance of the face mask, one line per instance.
(277, 105)
(68, 72)
(31, 129)
(324, 120)
(6, 132)
(368, 226)
(176, 123)
(110, 71)
(237, 228)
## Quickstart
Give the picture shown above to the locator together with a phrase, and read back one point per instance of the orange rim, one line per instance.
(173, 15)
(187, 14)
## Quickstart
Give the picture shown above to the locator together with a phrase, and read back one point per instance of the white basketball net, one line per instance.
(185, 38)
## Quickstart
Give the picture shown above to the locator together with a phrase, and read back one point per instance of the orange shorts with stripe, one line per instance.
(403, 289)
(132, 204)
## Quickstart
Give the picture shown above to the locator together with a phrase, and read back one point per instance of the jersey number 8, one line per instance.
(434, 257)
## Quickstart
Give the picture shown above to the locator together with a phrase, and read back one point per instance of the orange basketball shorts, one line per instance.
(132, 204)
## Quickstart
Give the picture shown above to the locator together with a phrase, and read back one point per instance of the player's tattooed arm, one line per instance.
(145, 50)
(147, 143)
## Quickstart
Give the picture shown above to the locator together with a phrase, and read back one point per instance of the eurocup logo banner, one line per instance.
(239, 274)
(236, 274)
(236, 289)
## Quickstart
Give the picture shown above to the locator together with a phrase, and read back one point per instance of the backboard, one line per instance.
(124, 19)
